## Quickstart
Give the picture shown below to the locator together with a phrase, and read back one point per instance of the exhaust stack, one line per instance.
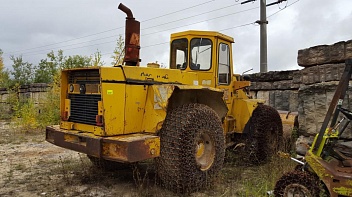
(132, 38)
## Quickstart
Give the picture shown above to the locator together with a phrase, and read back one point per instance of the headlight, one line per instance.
(82, 89)
(71, 88)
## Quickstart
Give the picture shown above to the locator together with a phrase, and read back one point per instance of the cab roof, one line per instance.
(202, 33)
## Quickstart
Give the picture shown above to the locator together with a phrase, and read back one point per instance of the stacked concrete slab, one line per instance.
(37, 92)
(310, 90)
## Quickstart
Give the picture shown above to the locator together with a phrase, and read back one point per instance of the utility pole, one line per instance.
(263, 38)
(263, 33)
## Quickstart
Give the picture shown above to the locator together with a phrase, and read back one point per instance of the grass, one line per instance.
(242, 180)
(73, 174)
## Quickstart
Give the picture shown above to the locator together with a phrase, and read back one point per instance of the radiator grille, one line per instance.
(84, 107)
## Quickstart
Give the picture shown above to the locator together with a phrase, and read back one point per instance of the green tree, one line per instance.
(77, 61)
(2, 66)
(96, 60)
(22, 71)
(57, 60)
(48, 67)
(45, 71)
(119, 51)
(4, 74)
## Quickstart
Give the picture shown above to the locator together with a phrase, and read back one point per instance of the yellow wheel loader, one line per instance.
(185, 116)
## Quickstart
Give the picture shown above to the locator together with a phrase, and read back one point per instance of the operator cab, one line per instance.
(206, 52)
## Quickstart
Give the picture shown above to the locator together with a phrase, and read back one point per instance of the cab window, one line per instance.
(224, 64)
(179, 54)
(201, 49)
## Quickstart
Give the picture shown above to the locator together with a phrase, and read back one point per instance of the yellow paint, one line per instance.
(97, 130)
(343, 191)
(152, 115)
(242, 110)
(349, 182)
(64, 90)
(114, 108)
(134, 73)
(240, 84)
(327, 136)
(111, 74)
(100, 108)
(154, 146)
(288, 118)
(136, 96)
(316, 166)
(68, 125)
(193, 33)
(68, 107)
(200, 150)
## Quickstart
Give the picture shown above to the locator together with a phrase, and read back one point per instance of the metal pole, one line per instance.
(263, 38)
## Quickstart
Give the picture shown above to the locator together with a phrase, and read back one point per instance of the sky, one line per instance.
(32, 28)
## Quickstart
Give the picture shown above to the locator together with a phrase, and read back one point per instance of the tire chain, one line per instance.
(265, 124)
(304, 178)
(176, 167)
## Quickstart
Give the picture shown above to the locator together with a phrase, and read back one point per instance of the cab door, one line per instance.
(224, 70)
(223, 80)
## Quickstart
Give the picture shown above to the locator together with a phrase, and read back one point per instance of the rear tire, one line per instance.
(192, 148)
(265, 134)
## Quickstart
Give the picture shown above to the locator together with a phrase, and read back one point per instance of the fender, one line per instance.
(164, 97)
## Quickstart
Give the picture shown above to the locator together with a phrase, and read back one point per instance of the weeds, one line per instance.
(139, 179)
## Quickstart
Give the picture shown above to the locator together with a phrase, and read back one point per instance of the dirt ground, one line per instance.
(30, 166)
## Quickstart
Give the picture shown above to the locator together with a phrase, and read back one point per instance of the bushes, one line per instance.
(29, 116)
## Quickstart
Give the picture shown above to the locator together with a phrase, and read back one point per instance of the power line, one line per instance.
(141, 29)
(204, 20)
(234, 27)
(187, 8)
(225, 7)
(282, 9)
(30, 53)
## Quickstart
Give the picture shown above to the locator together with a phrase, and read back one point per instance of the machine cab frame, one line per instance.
(207, 53)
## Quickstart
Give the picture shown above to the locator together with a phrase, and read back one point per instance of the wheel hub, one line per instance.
(297, 190)
(205, 151)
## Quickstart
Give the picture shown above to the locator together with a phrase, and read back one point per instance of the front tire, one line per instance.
(192, 148)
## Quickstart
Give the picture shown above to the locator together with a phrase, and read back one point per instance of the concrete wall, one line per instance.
(37, 92)
(308, 91)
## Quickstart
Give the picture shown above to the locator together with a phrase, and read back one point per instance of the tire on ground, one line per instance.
(297, 183)
(265, 134)
(192, 148)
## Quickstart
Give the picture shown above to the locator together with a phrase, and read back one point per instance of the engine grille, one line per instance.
(84, 107)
